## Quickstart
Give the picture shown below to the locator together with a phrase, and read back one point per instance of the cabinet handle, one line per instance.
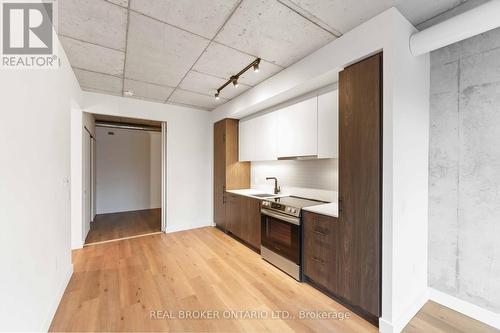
(320, 233)
(317, 260)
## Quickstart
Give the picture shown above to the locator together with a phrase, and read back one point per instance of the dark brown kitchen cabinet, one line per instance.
(320, 250)
(252, 221)
(234, 214)
(360, 201)
(229, 173)
(243, 218)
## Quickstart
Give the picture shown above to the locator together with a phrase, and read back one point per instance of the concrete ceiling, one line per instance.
(180, 52)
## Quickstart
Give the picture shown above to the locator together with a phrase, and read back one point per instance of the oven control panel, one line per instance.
(280, 207)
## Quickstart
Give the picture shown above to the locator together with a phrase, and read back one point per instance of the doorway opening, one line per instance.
(126, 176)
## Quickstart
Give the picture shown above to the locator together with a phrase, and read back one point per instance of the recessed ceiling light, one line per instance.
(128, 93)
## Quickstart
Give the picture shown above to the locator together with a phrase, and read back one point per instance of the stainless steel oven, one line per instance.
(281, 232)
(280, 241)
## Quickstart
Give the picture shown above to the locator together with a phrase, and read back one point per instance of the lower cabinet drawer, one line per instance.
(316, 269)
(319, 249)
(317, 224)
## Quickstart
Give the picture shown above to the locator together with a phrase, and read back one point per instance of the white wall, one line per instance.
(35, 246)
(78, 121)
(128, 170)
(189, 154)
(405, 145)
(406, 131)
(76, 129)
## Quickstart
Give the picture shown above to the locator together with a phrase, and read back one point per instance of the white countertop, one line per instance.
(250, 192)
(329, 209)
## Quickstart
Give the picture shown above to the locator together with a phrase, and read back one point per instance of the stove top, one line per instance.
(296, 202)
(290, 205)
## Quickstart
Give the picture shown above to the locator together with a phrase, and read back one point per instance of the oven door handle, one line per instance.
(283, 217)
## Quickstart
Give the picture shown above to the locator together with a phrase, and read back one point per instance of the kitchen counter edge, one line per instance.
(328, 209)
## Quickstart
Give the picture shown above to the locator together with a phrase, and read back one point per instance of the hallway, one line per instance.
(113, 226)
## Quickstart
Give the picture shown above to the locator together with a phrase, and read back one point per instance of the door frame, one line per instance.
(164, 176)
(77, 220)
(90, 193)
(92, 179)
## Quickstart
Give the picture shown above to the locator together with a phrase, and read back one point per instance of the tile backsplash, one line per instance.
(299, 177)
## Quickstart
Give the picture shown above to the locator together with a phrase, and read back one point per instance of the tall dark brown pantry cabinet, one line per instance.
(229, 173)
(360, 184)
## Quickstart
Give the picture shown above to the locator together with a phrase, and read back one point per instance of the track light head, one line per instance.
(217, 96)
(256, 66)
(235, 82)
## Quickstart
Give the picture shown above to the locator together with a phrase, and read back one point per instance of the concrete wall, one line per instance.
(128, 170)
(464, 170)
(35, 251)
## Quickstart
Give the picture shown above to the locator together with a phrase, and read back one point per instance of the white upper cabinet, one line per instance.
(307, 128)
(266, 131)
(328, 125)
(258, 138)
(246, 146)
(298, 129)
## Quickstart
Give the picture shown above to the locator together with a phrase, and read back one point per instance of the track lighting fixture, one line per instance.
(234, 79)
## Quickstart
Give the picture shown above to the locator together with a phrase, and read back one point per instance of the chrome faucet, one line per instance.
(277, 189)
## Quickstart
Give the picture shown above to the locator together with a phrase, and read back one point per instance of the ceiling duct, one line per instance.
(471, 23)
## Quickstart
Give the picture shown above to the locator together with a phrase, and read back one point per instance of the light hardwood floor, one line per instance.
(125, 224)
(115, 287)
(436, 318)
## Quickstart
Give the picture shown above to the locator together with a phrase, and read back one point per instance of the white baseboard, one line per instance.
(397, 325)
(385, 326)
(77, 246)
(57, 299)
(186, 227)
(486, 316)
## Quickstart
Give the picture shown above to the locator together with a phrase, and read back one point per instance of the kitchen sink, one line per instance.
(264, 195)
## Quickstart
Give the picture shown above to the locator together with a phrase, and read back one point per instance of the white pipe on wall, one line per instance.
(471, 23)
